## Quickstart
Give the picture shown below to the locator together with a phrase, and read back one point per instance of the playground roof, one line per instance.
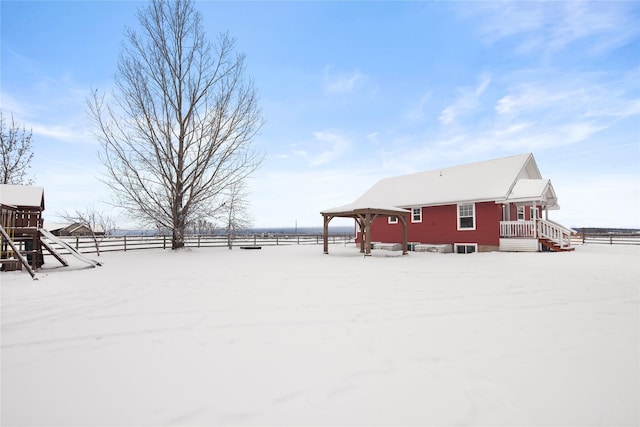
(22, 196)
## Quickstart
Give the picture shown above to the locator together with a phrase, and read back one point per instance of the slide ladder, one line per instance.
(16, 253)
(71, 249)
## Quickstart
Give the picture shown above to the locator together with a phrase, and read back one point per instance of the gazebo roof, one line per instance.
(356, 210)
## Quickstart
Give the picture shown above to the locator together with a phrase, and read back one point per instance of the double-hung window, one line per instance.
(533, 213)
(466, 216)
(520, 213)
(416, 214)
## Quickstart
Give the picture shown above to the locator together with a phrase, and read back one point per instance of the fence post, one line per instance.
(611, 239)
(125, 243)
(277, 242)
(198, 240)
(164, 241)
(77, 243)
(254, 240)
(298, 239)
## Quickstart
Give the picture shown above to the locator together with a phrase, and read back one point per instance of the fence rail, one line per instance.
(125, 243)
(132, 243)
(606, 238)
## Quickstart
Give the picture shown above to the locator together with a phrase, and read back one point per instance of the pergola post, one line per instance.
(404, 235)
(360, 220)
(326, 233)
(367, 227)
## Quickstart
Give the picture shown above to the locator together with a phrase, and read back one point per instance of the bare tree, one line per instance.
(177, 130)
(15, 153)
(202, 226)
(236, 212)
(99, 224)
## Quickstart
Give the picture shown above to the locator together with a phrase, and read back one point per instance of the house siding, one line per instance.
(439, 226)
(527, 212)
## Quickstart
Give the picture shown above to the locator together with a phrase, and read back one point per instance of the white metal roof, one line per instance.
(490, 180)
(534, 189)
(21, 195)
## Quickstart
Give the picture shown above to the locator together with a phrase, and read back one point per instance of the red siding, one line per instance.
(439, 225)
(527, 212)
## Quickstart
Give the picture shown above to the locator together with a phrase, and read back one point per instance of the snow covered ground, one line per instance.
(289, 336)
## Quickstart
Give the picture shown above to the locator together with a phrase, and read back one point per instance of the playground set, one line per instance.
(22, 236)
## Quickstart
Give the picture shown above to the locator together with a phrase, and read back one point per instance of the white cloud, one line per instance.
(10, 105)
(417, 113)
(545, 95)
(342, 83)
(468, 100)
(550, 27)
(373, 137)
(327, 146)
(70, 133)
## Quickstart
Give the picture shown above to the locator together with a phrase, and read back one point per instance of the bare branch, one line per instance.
(15, 153)
(98, 223)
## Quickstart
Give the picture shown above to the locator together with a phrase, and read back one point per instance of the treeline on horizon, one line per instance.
(606, 230)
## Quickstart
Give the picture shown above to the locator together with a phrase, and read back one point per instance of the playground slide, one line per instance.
(70, 248)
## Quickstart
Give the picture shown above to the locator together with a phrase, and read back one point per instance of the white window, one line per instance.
(520, 213)
(534, 213)
(466, 216)
(416, 214)
(465, 248)
(393, 219)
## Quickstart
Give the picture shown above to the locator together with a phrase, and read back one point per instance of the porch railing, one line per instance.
(537, 229)
(555, 232)
(517, 229)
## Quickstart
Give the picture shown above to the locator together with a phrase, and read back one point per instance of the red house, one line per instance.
(501, 204)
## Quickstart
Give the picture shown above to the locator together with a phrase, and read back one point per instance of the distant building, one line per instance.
(73, 229)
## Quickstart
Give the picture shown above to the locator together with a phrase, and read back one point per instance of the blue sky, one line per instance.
(353, 92)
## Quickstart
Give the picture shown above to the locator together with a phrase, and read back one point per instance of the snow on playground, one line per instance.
(290, 336)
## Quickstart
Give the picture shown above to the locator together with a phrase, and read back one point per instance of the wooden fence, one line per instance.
(606, 238)
(131, 243)
(125, 243)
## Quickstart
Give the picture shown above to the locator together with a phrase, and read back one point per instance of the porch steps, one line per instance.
(553, 246)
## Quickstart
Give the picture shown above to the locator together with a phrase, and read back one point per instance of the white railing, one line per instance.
(545, 229)
(517, 229)
(555, 232)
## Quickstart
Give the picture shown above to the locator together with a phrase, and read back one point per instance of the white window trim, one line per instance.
(473, 205)
(455, 247)
(533, 213)
(392, 219)
(518, 209)
(413, 220)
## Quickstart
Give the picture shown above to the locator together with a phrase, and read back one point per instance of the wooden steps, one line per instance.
(553, 246)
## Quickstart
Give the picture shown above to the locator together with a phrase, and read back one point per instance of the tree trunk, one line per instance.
(179, 225)
(177, 238)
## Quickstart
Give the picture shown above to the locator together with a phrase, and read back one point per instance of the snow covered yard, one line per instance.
(289, 336)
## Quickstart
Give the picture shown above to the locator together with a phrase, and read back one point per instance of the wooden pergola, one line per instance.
(364, 217)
